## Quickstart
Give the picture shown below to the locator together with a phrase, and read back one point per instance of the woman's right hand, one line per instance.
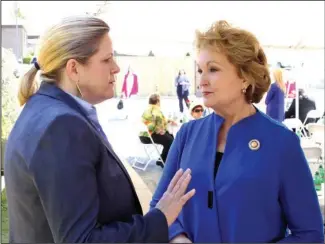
(175, 198)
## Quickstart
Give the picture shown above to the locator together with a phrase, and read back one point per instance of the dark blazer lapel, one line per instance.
(51, 90)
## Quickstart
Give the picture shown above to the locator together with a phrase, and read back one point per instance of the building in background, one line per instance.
(14, 38)
(32, 43)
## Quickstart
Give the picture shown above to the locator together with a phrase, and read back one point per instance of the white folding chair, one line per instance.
(294, 123)
(313, 114)
(152, 151)
(317, 132)
(313, 155)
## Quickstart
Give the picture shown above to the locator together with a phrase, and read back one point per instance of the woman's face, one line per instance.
(219, 82)
(197, 112)
(97, 77)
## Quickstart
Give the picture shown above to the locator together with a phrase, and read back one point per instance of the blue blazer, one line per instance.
(65, 183)
(275, 103)
(256, 194)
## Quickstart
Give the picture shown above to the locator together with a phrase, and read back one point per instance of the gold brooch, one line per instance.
(254, 144)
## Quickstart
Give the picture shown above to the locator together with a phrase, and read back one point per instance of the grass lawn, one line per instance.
(4, 218)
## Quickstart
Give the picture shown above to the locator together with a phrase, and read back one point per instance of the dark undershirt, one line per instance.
(217, 163)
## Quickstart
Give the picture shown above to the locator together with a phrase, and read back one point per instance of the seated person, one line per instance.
(196, 110)
(305, 105)
(156, 123)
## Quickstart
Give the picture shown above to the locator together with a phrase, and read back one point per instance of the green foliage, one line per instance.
(9, 88)
(19, 14)
(26, 60)
(4, 218)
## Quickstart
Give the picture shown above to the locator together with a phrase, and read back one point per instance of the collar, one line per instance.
(245, 120)
(154, 106)
(84, 104)
(53, 91)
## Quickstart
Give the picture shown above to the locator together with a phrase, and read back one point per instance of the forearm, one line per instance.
(149, 228)
(176, 229)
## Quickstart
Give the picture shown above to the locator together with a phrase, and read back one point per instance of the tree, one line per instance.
(100, 9)
(188, 54)
(151, 54)
(9, 87)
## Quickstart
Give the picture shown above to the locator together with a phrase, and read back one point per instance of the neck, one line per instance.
(68, 87)
(235, 113)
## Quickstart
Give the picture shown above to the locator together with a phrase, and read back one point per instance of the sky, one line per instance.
(169, 26)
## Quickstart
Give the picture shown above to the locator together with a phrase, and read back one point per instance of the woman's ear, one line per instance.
(245, 84)
(72, 70)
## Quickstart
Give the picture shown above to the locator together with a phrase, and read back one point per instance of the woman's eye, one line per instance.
(214, 69)
(199, 71)
(107, 60)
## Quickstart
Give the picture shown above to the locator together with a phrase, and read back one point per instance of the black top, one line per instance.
(217, 163)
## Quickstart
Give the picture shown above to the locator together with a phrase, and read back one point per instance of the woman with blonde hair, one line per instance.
(275, 97)
(64, 182)
(251, 177)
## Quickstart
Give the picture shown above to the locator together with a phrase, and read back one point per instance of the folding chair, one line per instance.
(313, 114)
(294, 123)
(317, 133)
(152, 151)
(313, 155)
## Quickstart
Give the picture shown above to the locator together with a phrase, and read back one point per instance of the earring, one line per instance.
(78, 88)
(243, 90)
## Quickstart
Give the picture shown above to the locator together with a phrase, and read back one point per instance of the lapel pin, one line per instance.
(254, 144)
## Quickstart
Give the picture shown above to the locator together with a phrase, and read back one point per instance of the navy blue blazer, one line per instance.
(65, 183)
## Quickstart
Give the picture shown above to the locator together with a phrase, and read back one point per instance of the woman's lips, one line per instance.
(206, 93)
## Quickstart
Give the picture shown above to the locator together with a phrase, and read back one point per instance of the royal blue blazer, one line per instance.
(258, 192)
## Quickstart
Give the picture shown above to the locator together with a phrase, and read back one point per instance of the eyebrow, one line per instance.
(211, 61)
(109, 55)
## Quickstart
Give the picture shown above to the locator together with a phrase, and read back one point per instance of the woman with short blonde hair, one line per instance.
(249, 171)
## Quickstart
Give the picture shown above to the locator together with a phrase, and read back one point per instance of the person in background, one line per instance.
(275, 97)
(250, 173)
(196, 110)
(130, 88)
(182, 85)
(305, 105)
(64, 182)
(156, 123)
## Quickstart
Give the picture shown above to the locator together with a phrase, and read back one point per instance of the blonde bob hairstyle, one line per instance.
(75, 37)
(243, 51)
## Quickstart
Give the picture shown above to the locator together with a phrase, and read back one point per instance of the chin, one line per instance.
(208, 102)
(109, 94)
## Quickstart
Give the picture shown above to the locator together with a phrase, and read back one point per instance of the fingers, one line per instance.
(187, 196)
(175, 179)
(180, 181)
(182, 185)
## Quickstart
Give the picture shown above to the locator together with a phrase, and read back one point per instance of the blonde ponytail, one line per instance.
(75, 37)
(28, 86)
